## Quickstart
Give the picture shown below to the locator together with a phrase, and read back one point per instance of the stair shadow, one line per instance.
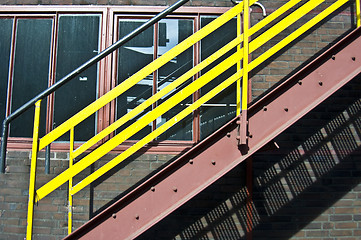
(294, 187)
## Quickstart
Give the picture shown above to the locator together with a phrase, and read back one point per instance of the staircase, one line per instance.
(252, 128)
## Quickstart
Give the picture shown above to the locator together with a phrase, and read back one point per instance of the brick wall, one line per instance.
(50, 215)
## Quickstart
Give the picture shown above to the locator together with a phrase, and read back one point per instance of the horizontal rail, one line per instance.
(129, 131)
(150, 68)
(92, 157)
(76, 72)
(179, 81)
(89, 179)
(156, 97)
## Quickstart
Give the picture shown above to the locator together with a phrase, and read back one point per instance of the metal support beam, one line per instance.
(218, 154)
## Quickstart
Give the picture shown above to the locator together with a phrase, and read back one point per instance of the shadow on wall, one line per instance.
(307, 188)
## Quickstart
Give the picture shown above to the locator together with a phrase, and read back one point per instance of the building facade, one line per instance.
(303, 185)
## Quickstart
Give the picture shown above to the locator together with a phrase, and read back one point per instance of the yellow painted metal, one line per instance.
(296, 34)
(358, 10)
(283, 24)
(102, 150)
(273, 16)
(150, 68)
(190, 73)
(238, 84)
(34, 155)
(129, 83)
(114, 162)
(157, 96)
(132, 129)
(70, 196)
(245, 55)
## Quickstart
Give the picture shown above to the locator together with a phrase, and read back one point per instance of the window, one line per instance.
(144, 49)
(78, 41)
(30, 70)
(222, 107)
(28, 45)
(41, 48)
(6, 26)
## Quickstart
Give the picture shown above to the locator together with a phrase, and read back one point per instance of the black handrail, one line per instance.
(76, 72)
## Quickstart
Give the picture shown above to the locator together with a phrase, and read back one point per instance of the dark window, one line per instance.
(132, 57)
(173, 32)
(6, 28)
(38, 57)
(78, 41)
(30, 72)
(222, 107)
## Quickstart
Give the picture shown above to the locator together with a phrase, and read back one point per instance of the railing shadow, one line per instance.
(294, 187)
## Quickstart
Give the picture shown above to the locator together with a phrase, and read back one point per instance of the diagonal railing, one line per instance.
(244, 48)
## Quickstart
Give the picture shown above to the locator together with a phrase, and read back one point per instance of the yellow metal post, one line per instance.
(238, 85)
(70, 197)
(358, 10)
(34, 154)
(243, 126)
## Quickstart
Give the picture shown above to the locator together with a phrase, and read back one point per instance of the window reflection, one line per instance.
(139, 52)
(222, 107)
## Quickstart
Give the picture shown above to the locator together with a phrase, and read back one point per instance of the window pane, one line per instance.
(78, 41)
(6, 27)
(31, 71)
(172, 32)
(133, 56)
(222, 107)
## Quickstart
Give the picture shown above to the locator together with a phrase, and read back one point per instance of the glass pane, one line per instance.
(222, 107)
(78, 41)
(6, 27)
(31, 71)
(172, 32)
(133, 56)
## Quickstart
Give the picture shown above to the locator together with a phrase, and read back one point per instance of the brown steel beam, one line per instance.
(218, 154)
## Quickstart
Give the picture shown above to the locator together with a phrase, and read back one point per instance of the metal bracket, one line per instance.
(264, 12)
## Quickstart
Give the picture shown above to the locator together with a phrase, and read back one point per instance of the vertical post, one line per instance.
(243, 122)
(70, 197)
(4, 140)
(238, 93)
(47, 159)
(34, 154)
(358, 10)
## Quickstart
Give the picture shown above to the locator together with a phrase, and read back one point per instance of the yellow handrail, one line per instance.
(252, 65)
(125, 134)
(125, 85)
(234, 59)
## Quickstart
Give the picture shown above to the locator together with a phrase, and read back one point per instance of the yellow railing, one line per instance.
(234, 59)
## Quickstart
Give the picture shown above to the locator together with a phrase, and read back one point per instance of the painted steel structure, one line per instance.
(167, 190)
(241, 137)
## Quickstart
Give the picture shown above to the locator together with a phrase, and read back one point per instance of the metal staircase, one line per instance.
(252, 128)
